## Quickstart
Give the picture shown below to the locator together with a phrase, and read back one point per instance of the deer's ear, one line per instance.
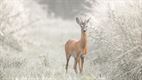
(88, 20)
(77, 20)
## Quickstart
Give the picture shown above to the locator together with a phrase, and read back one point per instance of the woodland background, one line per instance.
(33, 34)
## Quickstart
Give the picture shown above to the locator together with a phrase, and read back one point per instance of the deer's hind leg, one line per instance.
(75, 65)
(68, 58)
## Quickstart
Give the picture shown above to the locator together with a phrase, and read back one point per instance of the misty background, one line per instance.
(33, 34)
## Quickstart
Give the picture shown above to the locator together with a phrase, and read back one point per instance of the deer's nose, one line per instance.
(84, 30)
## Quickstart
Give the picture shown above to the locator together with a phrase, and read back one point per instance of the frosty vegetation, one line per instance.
(117, 38)
(32, 41)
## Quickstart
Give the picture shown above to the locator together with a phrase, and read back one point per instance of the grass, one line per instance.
(42, 56)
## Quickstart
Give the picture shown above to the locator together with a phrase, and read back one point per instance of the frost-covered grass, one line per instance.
(38, 42)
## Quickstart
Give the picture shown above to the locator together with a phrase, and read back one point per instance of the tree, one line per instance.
(12, 20)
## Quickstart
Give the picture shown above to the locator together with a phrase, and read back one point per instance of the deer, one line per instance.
(77, 48)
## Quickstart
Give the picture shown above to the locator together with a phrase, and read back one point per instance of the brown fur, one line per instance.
(77, 49)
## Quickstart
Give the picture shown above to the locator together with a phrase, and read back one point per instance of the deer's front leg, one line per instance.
(79, 63)
(82, 62)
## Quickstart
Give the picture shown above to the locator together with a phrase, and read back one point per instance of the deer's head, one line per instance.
(82, 23)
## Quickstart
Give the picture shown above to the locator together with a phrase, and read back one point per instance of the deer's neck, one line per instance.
(83, 40)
